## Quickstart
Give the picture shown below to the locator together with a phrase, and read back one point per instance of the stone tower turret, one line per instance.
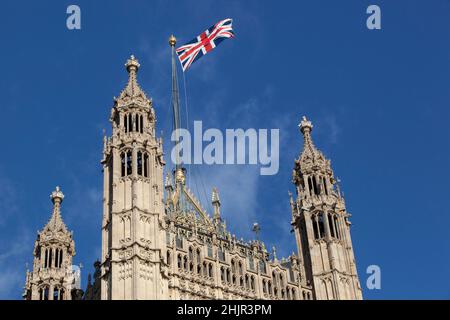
(133, 206)
(322, 226)
(52, 277)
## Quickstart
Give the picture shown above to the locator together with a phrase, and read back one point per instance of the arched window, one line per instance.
(210, 270)
(247, 281)
(264, 286)
(46, 259)
(46, 293)
(198, 256)
(210, 251)
(325, 185)
(315, 227)
(262, 266)
(269, 286)
(315, 186)
(169, 258)
(141, 125)
(61, 294)
(251, 264)
(228, 275)
(125, 123)
(221, 254)
(129, 163)
(240, 268)
(146, 165)
(179, 261)
(321, 225)
(233, 266)
(138, 129)
(60, 258)
(130, 122)
(55, 294)
(331, 225)
(122, 164)
(310, 186)
(56, 258)
(336, 225)
(191, 254)
(50, 259)
(139, 163)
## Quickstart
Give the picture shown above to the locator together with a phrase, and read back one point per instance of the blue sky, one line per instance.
(379, 101)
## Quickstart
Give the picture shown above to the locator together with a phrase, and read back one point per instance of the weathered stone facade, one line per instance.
(159, 243)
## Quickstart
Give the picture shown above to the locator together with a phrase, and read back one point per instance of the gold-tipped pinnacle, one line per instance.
(172, 40)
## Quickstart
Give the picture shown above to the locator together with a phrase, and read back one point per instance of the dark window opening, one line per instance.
(316, 186)
(139, 163)
(325, 185)
(315, 228)
(50, 259)
(331, 225)
(122, 164)
(310, 186)
(321, 225)
(336, 224)
(130, 123)
(145, 165)
(129, 163)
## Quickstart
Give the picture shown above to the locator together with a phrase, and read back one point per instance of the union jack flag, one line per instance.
(204, 43)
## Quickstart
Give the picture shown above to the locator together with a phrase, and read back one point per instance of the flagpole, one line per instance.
(179, 172)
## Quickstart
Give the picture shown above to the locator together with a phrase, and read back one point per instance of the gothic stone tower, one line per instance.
(133, 207)
(322, 225)
(51, 278)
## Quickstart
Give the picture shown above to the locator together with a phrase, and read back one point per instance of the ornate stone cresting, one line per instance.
(321, 224)
(52, 277)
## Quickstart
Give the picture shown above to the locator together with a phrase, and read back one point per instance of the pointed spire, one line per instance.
(56, 223)
(132, 90)
(310, 152)
(274, 253)
(215, 200)
(306, 128)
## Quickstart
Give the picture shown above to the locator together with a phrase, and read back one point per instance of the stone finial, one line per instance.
(305, 125)
(57, 196)
(215, 200)
(274, 252)
(132, 64)
(215, 196)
